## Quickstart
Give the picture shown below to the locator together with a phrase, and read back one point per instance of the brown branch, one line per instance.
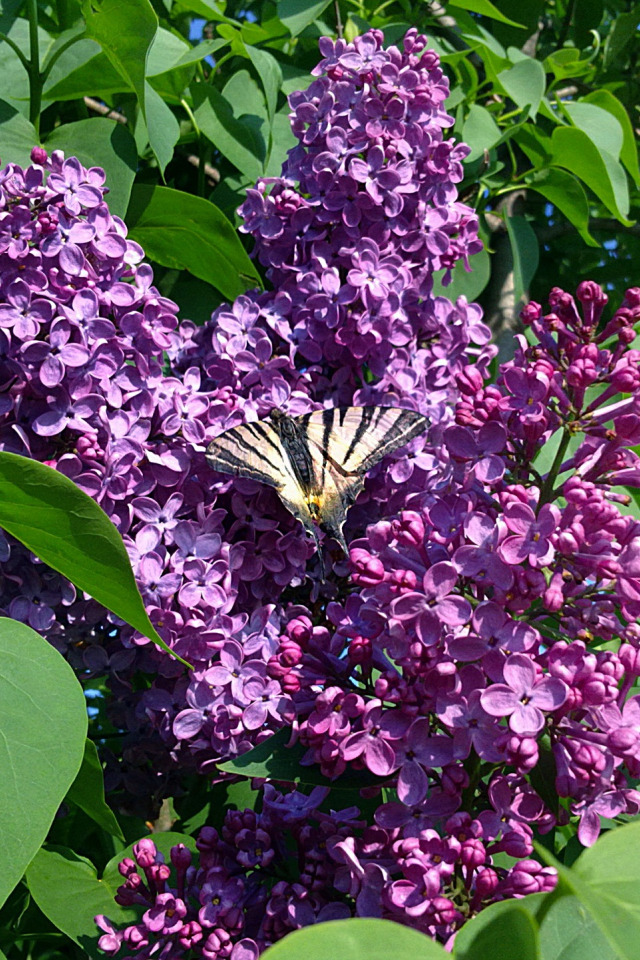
(211, 172)
(105, 111)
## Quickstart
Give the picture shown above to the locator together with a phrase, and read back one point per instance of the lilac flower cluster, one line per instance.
(239, 898)
(365, 213)
(478, 630)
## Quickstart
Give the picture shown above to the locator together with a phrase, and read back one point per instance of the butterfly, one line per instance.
(317, 462)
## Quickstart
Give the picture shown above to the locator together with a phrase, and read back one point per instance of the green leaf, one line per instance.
(67, 39)
(569, 933)
(188, 233)
(100, 142)
(357, 939)
(43, 719)
(606, 881)
(535, 144)
(567, 64)
(282, 140)
(205, 8)
(623, 29)
(525, 83)
(296, 15)
(87, 792)
(163, 129)
(575, 151)
(600, 126)
(15, 82)
(17, 136)
(526, 255)
(464, 283)
(126, 31)
(202, 50)
(508, 923)
(9, 10)
(480, 131)
(63, 526)
(165, 52)
(629, 153)
(83, 70)
(234, 139)
(67, 889)
(567, 194)
(484, 7)
(268, 69)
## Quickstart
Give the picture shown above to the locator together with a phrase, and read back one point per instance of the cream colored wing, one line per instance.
(345, 442)
(255, 451)
(353, 439)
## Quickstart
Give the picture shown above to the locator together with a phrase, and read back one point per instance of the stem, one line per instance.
(546, 491)
(339, 27)
(65, 46)
(16, 49)
(35, 80)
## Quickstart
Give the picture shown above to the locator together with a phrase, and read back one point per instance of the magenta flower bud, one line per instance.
(300, 630)
(145, 852)
(181, 856)
(360, 650)
(473, 854)
(291, 683)
(486, 882)
(469, 381)
(39, 155)
(630, 655)
(531, 312)
(409, 529)
(190, 935)
(367, 569)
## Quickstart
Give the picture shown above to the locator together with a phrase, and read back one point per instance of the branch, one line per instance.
(105, 111)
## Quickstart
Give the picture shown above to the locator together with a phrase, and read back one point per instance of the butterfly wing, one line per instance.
(346, 442)
(255, 451)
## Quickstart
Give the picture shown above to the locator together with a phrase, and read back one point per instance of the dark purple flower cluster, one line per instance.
(231, 904)
(495, 625)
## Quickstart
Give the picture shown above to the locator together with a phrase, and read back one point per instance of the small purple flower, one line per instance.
(22, 314)
(72, 184)
(428, 612)
(482, 561)
(423, 752)
(532, 534)
(378, 741)
(166, 915)
(523, 696)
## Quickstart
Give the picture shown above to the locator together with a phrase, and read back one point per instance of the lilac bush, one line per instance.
(492, 625)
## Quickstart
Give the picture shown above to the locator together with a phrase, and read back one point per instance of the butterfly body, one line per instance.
(316, 462)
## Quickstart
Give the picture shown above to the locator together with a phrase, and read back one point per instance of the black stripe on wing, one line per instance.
(232, 453)
(407, 425)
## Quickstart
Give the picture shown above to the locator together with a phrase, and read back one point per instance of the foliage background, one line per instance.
(184, 106)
